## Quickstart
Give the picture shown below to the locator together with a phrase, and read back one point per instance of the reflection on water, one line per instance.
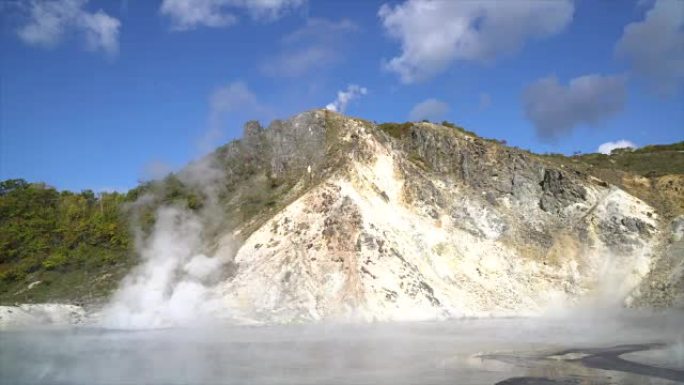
(485, 351)
(670, 356)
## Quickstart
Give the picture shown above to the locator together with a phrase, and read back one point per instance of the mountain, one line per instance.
(323, 216)
(419, 220)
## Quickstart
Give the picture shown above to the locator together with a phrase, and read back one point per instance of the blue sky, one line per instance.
(102, 94)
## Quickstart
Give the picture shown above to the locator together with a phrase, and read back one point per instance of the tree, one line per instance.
(10, 185)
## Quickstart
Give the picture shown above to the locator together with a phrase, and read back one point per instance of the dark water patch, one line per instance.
(603, 358)
(540, 381)
(609, 359)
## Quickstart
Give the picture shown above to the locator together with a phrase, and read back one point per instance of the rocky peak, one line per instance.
(420, 220)
(251, 130)
(339, 218)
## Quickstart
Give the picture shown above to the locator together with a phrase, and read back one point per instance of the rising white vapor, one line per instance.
(235, 98)
(174, 284)
(608, 147)
(170, 286)
(345, 97)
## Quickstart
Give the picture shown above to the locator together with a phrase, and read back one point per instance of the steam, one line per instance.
(172, 285)
(609, 293)
(175, 282)
(608, 147)
(446, 352)
(344, 97)
(232, 101)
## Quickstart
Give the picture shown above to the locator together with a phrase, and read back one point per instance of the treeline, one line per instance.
(652, 160)
(678, 147)
(63, 245)
(46, 234)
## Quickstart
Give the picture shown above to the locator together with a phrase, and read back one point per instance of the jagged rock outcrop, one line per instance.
(559, 192)
(424, 222)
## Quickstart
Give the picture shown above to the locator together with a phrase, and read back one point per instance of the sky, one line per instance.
(103, 94)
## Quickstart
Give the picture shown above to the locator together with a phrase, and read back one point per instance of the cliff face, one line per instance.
(422, 221)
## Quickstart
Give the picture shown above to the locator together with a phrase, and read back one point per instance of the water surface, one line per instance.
(475, 351)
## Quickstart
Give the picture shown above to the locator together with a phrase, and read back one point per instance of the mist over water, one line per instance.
(446, 352)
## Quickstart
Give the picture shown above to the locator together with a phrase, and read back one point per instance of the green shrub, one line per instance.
(44, 231)
(396, 130)
(458, 128)
(55, 261)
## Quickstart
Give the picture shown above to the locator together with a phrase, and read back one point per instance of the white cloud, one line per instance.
(608, 147)
(189, 14)
(655, 46)
(268, 9)
(430, 109)
(344, 97)
(50, 21)
(317, 45)
(234, 98)
(556, 109)
(434, 33)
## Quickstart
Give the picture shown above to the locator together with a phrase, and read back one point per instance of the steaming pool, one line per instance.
(627, 349)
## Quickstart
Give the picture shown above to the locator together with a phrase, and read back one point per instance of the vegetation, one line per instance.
(458, 128)
(65, 241)
(66, 246)
(653, 173)
(396, 130)
(679, 146)
(650, 161)
(400, 130)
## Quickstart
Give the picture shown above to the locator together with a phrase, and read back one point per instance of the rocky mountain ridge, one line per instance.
(425, 221)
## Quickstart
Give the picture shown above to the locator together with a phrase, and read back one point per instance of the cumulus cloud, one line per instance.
(189, 14)
(50, 21)
(555, 109)
(319, 44)
(608, 147)
(344, 97)
(233, 98)
(434, 33)
(430, 109)
(655, 46)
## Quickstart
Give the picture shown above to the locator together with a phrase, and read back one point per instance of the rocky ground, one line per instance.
(28, 315)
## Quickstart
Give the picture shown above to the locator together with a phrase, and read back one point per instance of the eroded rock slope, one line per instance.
(422, 221)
